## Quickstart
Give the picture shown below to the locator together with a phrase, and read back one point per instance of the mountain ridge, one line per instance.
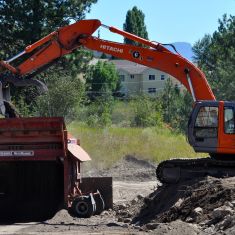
(183, 48)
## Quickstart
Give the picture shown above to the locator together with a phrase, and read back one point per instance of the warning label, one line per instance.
(16, 153)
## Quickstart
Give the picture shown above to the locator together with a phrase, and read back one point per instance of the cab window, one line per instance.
(229, 127)
(206, 124)
(207, 117)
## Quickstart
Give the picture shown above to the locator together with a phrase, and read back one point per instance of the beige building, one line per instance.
(136, 78)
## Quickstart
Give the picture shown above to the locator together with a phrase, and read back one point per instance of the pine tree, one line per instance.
(24, 22)
(102, 78)
(135, 24)
(215, 55)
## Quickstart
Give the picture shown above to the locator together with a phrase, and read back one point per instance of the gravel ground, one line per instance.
(142, 206)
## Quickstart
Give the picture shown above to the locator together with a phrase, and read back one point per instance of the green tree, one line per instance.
(103, 56)
(24, 22)
(102, 78)
(99, 112)
(176, 106)
(135, 24)
(215, 55)
(147, 112)
(201, 52)
(63, 98)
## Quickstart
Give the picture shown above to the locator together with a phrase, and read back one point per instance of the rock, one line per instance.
(125, 225)
(198, 210)
(120, 219)
(221, 212)
(125, 214)
(140, 197)
(229, 204)
(113, 224)
(226, 223)
(103, 213)
(178, 203)
(189, 220)
(127, 220)
(209, 230)
(203, 223)
(122, 206)
(211, 222)
(152, 226)
(137, 224)
(233, 203)
(134, 201)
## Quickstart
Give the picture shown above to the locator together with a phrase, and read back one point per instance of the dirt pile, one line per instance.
(129, 168)
(207, 205)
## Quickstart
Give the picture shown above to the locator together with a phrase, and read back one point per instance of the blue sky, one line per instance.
(167, 21)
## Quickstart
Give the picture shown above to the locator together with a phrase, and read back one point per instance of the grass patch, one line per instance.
(110, 144)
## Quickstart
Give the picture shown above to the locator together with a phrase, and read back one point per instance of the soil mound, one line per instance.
(130, 168)
(208, 203)
(61, 217)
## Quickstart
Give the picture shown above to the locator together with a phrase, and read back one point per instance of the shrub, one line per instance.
(98, 113)
(148, 112)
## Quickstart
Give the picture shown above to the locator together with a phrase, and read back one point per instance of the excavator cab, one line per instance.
(211, 128)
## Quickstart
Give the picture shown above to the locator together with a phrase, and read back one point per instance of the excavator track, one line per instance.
(175, 170)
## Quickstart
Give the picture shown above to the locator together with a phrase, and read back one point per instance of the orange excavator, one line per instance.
(211, 127)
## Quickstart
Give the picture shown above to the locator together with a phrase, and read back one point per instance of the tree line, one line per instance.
(93, 98)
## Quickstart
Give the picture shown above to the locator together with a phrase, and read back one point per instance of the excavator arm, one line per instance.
(66, 39)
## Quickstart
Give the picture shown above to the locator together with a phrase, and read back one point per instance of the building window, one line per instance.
(122, 78)
(152, 90)
(162, 77)
(132, 76)
(178, 85)
(151, 77)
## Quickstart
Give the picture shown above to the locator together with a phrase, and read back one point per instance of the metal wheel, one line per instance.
(82, 207)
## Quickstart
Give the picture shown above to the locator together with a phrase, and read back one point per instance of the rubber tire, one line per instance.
(99, 203)
(82, 207)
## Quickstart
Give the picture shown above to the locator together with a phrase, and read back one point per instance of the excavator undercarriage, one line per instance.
(175, 170)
